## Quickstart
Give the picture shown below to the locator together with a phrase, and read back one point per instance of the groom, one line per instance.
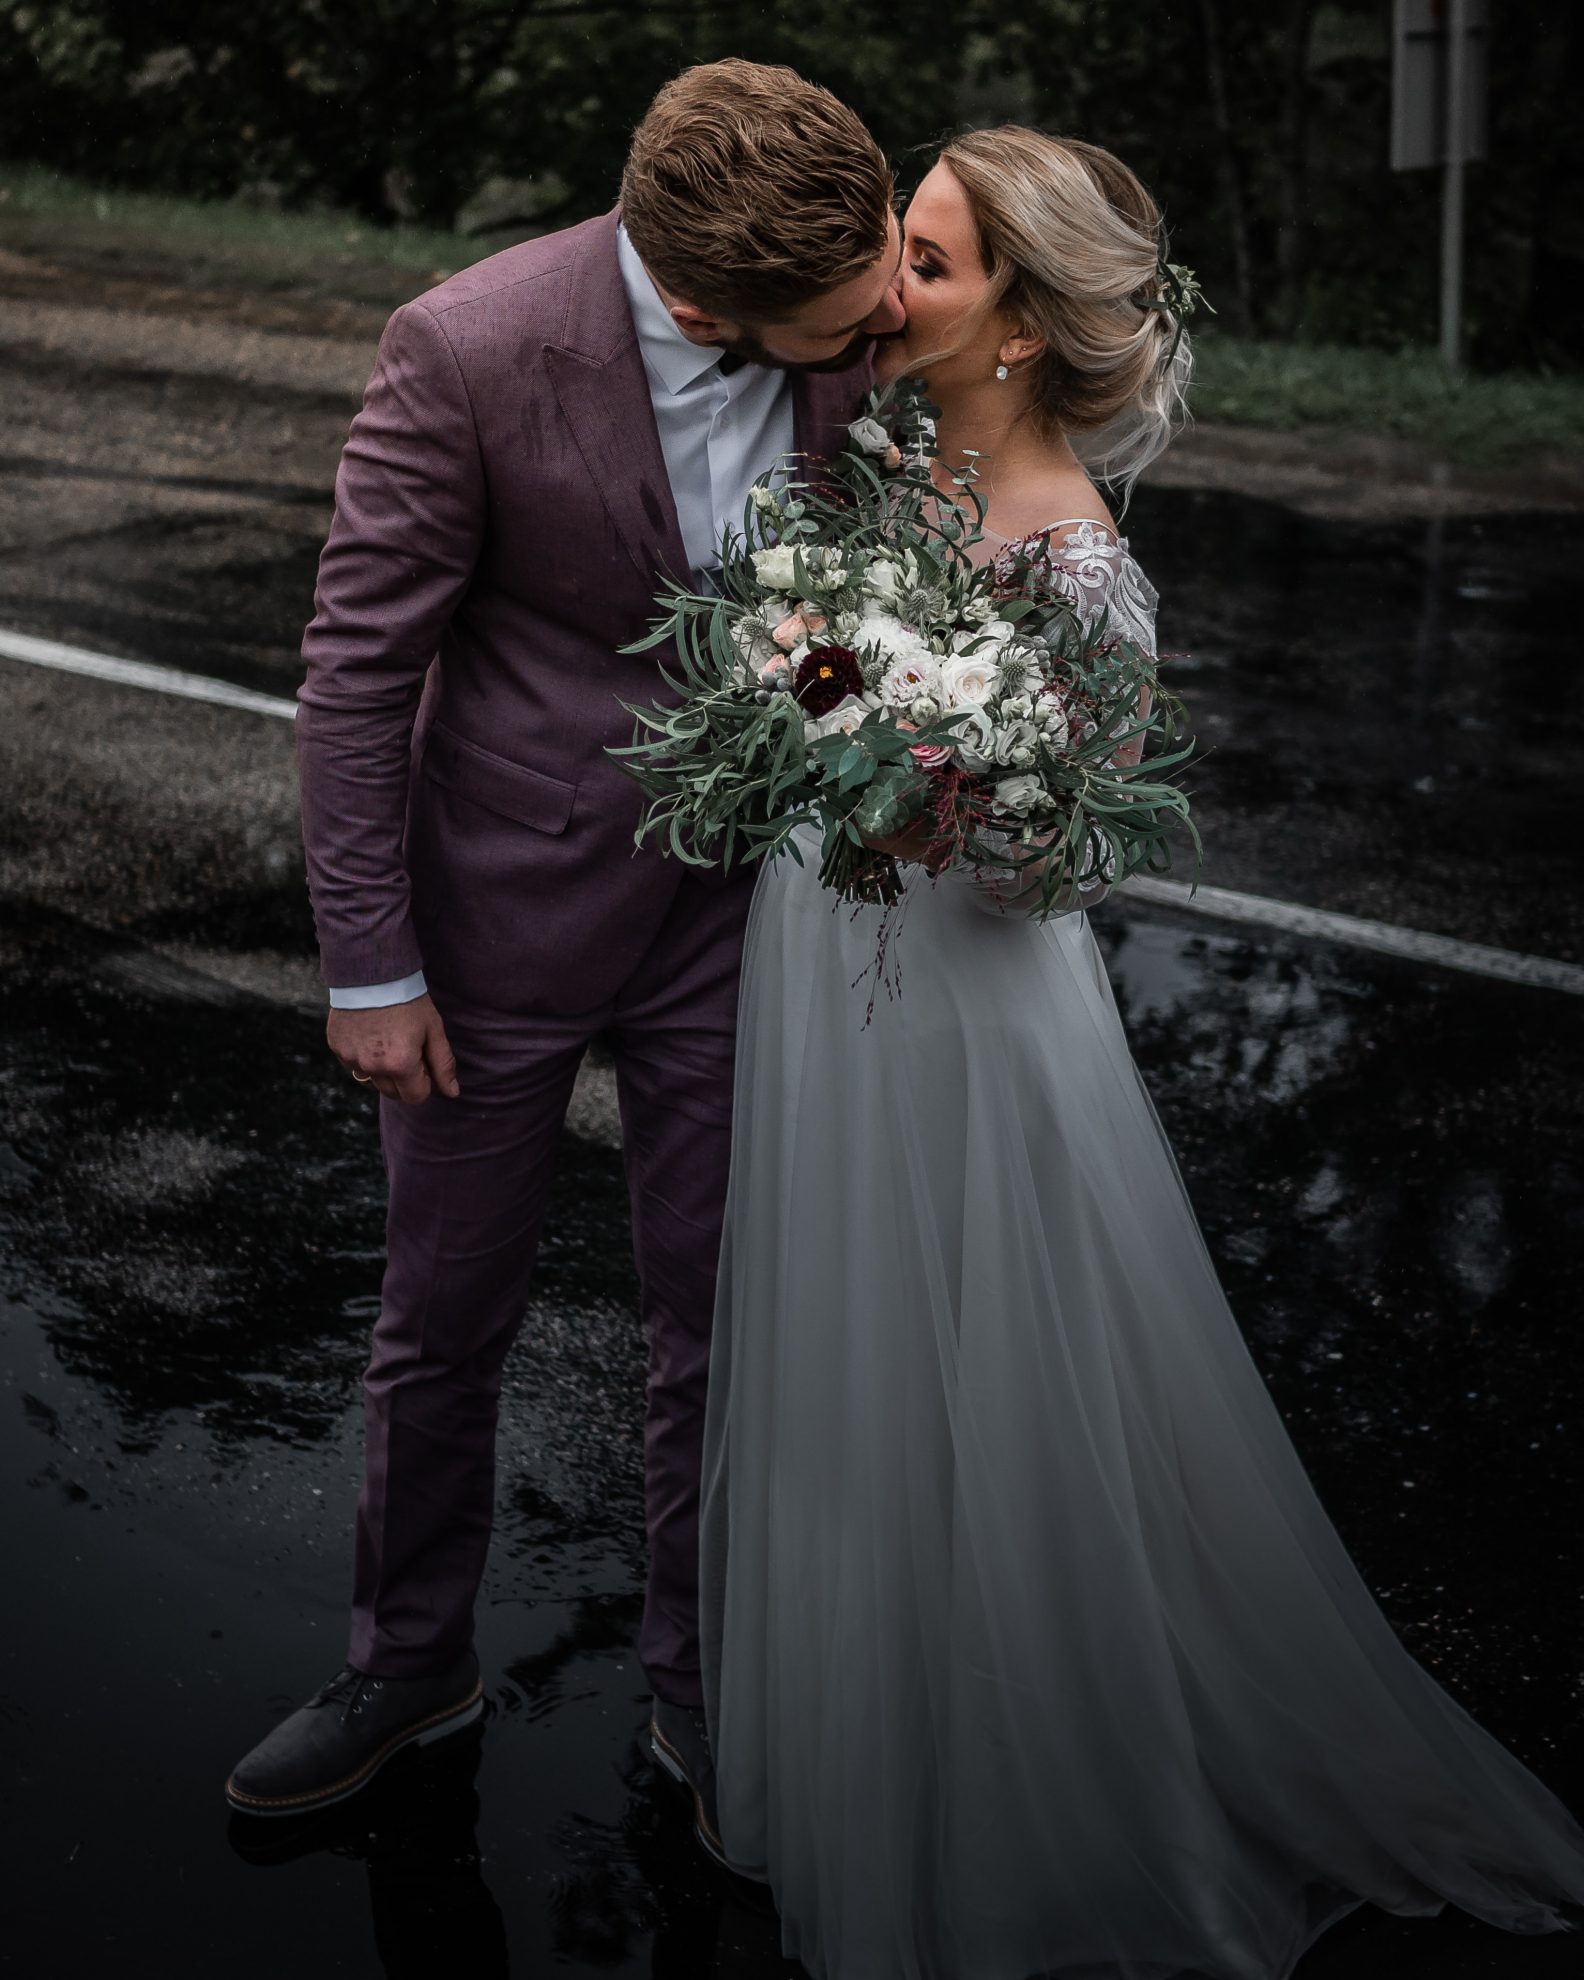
(543, 435)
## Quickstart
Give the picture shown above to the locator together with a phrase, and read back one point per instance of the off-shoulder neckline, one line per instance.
(1067, 523)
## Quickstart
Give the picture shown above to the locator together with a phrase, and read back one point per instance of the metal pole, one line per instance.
(1452, 186)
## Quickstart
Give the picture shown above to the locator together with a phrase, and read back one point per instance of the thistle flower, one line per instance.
(918, 605)
(1017, 673)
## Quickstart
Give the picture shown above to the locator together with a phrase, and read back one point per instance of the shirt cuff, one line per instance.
(376, 996)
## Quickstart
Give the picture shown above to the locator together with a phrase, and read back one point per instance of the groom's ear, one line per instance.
(699, 326)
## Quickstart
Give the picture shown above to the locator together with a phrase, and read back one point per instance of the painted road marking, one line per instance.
(1218, 903)
(139, 673)
(1385, 936)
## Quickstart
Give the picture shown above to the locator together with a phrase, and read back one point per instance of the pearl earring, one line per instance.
(1001, 371)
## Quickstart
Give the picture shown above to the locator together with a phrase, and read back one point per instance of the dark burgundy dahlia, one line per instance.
(825, 678)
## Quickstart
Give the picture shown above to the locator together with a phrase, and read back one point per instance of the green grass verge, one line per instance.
(1474, 421)
(225, 243)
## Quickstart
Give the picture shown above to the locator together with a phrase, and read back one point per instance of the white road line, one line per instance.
(139, 673)
(1219, 903)
(1385, 936)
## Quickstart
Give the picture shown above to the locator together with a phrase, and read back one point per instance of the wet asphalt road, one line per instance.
(1385, 1159)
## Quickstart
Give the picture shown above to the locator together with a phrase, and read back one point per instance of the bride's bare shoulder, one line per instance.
(1045, 502)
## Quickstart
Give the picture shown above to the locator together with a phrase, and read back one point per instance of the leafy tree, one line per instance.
(1261, 125)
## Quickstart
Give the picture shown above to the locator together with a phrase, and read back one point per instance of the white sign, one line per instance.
(1421, 53)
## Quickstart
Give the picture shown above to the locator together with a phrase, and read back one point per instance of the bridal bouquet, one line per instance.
(859, 671)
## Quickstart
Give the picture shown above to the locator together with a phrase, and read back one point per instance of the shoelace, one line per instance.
(348, 1687)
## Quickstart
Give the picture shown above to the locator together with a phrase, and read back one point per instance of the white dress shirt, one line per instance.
(718, 433)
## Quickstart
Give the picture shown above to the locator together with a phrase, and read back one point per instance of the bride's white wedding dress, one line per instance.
(1029, 1648)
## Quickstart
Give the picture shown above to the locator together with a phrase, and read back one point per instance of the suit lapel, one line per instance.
(597, 371)
(598, 374)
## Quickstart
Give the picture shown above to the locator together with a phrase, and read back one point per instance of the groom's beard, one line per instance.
(751, 351)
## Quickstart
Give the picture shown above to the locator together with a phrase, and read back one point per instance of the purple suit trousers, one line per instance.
(502, 518)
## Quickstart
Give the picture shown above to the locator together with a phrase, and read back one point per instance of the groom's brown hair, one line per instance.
(749, 191)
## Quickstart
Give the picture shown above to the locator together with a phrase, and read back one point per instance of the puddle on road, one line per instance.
(192, 1209)
(1387, 727)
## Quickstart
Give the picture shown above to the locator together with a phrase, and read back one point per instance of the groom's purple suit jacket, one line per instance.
(502, 510)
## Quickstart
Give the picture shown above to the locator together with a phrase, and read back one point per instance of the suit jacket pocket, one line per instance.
(497, 783)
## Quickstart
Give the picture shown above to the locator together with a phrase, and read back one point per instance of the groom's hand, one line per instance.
(400, 1049)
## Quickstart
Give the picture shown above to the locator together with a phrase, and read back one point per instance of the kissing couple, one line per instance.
(991, 1618)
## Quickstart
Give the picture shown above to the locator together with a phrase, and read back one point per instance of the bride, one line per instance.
(1029, 1649)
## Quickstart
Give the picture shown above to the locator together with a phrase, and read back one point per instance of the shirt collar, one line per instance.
(672, 360)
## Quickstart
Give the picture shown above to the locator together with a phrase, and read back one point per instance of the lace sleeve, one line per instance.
(1090, 566)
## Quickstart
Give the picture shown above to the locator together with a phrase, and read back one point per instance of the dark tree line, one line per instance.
(1260, 124)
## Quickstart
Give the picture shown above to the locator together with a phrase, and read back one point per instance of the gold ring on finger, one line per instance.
(363, 1079)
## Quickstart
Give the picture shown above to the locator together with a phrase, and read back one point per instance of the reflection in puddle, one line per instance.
(415, 1829)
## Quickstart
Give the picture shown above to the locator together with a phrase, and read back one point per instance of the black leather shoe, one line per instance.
(679, 1741)
(336, 1743)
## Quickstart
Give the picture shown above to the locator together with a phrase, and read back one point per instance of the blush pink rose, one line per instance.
(930, 756)
(798, 626)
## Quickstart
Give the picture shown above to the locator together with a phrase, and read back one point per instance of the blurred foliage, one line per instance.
(1512, 419)
(1261, 125)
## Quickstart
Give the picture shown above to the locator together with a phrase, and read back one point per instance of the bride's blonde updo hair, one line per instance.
(1073, 245)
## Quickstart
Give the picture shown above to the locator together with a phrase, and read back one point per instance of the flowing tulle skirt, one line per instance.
(1029, 1648)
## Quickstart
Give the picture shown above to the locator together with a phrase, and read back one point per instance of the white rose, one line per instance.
(969, 679)
(1014, 744)
(975, 734)
(1019, 795)
(925, 709)
(774, 567)
(869, 435)
(842, 719)
(979, 609)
